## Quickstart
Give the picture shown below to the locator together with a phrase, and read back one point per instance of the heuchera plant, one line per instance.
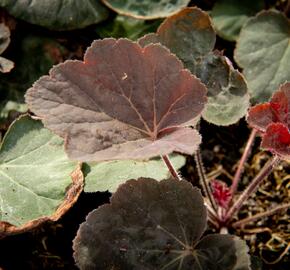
(130, 100)
(137, 105)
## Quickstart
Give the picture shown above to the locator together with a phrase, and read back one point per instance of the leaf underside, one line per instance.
(263, 51)
(122, 102)
(155, 225)
(190, 35)
(146, 9)
(35, 177)
(57, 15)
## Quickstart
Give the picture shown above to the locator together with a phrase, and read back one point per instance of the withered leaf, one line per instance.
(153, 225)
(122, 102)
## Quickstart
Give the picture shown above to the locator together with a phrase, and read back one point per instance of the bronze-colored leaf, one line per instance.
(122, 102)
(190, 35)
(153, 225)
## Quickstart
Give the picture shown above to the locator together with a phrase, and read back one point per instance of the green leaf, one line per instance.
(228, 98)
(153, 225)
(189, 34)
(123, 26)
(230, 15)
(57, 15)
(263, 51)
(109, 175)
(34, 174)
(146, 9)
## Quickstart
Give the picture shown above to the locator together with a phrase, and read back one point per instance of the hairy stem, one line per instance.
(211, 212)
(243, 222)
(212, 221)
(170, 167)
(242, 162)
(203, 179)
(252, 187)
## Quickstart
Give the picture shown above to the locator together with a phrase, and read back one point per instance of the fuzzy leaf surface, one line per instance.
(155, 225)
(109, 175)
(275, 111)
(277, 140)
(35, 175)
(146, 9)
(57, 15)
(190, 35)
(228, 98)
(273, 120)
(263, 51)
(230, 15)
(122, 102)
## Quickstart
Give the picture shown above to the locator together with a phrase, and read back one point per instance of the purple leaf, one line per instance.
(122, 102)
(153, 225)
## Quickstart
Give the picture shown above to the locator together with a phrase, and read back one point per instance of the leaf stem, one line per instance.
(203, 179)
(211, 212)
(242, 162)
(253, 186)
(243, 222)
(170, 167)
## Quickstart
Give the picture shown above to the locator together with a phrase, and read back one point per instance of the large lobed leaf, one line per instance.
(155, 225)
(263, 51)
(230, 15)
(122, 102)
(103, 176)
(273, 120)
(5, 64)
(146, 9)
(36, 180)
(57, 15)
(190, 35)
